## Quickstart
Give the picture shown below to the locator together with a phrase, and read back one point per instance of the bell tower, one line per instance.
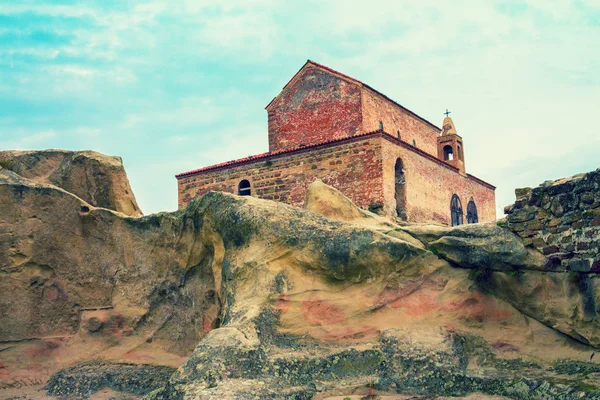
(450, 145)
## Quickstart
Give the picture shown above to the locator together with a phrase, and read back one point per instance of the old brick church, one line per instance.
(384, 157)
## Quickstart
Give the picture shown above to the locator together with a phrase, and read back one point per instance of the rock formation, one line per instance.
(96, 178)
(273, 301)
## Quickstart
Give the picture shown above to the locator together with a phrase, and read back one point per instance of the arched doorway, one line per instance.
(244, 188)
(456, 211)
(399, 189)
(472, 217)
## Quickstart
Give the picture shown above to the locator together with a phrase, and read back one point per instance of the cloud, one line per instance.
(176, 86)
(29, 141)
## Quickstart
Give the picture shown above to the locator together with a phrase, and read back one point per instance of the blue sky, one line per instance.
(173, 86)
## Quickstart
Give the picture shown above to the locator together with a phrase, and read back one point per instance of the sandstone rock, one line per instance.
(282, 302)
(478, 246)
(331, 203)
(566, 302)
(95, 178)
(97, 281)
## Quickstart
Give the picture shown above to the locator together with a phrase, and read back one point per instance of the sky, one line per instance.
(174, 86)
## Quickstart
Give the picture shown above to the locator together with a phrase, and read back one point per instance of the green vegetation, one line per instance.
(6, 164)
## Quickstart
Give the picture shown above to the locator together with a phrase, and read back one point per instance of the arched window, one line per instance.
(460, 153)
(414, 142)
(448, 153)
(456, 211)
(244, 188)
(399, 189)
(380, 125)
(472, 217)
(399, 137)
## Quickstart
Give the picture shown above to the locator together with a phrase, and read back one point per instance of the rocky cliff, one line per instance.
(96, 178)
(271, 301)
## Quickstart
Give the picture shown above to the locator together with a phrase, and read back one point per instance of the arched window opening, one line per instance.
(456, 211)
(399, 189)
(399, 137)
(380, 125)
(244, 188)
(460, 153)
(414, 142)
(448, 153)
(472, 217)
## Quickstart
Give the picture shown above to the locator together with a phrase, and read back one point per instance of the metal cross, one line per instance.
(447, 112)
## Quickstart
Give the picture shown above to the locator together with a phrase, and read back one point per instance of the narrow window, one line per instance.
(456, 211)
(399, 189)
(414, 142)
(244, 188)
(460, 154)
(448, 153)
(399, 137)
(472, 217)
(380, 125)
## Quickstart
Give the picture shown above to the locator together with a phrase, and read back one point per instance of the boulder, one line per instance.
(478, 246)
(329, 202)
(96, 178)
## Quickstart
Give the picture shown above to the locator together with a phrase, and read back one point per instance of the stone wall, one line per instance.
(562, 220)
(362, 168)
(353, 167)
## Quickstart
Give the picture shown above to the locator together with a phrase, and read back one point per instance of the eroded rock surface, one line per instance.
(79, 282)
(95, 178)
(273, 301)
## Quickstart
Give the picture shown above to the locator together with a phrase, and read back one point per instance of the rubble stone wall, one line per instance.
(562, 220)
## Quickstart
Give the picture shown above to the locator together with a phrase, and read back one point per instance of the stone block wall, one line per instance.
(562, 220)
(353, 167)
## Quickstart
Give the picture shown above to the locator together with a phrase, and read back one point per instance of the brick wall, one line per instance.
(562, 220)
(376, 108)
(316, 107)
(430, 185)
(353, 167)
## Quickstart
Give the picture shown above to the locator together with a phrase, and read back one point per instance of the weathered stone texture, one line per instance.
(562, 220)
(96, 178)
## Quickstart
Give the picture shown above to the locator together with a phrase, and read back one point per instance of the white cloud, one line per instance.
(30, 141)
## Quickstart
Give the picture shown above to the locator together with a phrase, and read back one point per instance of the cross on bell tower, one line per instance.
(447, 112)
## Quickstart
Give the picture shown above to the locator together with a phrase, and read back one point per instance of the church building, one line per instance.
(385, 158)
